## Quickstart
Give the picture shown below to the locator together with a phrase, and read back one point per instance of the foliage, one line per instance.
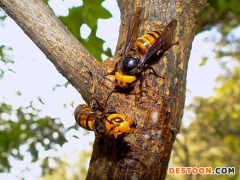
(224, 16)
(64, 170)
(23, 127)
(212, 139)
(3, 57)
(222, 12)
(88, 14)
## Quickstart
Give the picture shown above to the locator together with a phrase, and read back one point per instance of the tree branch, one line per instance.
(162, 101)
(70, 58)
(157, 109)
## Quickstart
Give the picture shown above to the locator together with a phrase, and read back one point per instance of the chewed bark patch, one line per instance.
(154, 117)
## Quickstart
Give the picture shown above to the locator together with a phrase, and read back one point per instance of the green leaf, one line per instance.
(88, 14)
(27, 130)
(40, 100)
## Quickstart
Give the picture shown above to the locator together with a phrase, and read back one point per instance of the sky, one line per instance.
(32, 69)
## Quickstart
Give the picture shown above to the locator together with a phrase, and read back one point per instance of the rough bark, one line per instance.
(158, 109)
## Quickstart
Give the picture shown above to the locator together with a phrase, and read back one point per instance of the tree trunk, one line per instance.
(157, 109)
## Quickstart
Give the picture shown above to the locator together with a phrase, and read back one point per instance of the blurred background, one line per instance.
(38, 135)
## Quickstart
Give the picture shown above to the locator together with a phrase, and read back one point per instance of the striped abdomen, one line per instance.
(85, 117)
(146, 41)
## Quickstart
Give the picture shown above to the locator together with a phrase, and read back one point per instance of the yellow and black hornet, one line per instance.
(138, 51)
(110, 123)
